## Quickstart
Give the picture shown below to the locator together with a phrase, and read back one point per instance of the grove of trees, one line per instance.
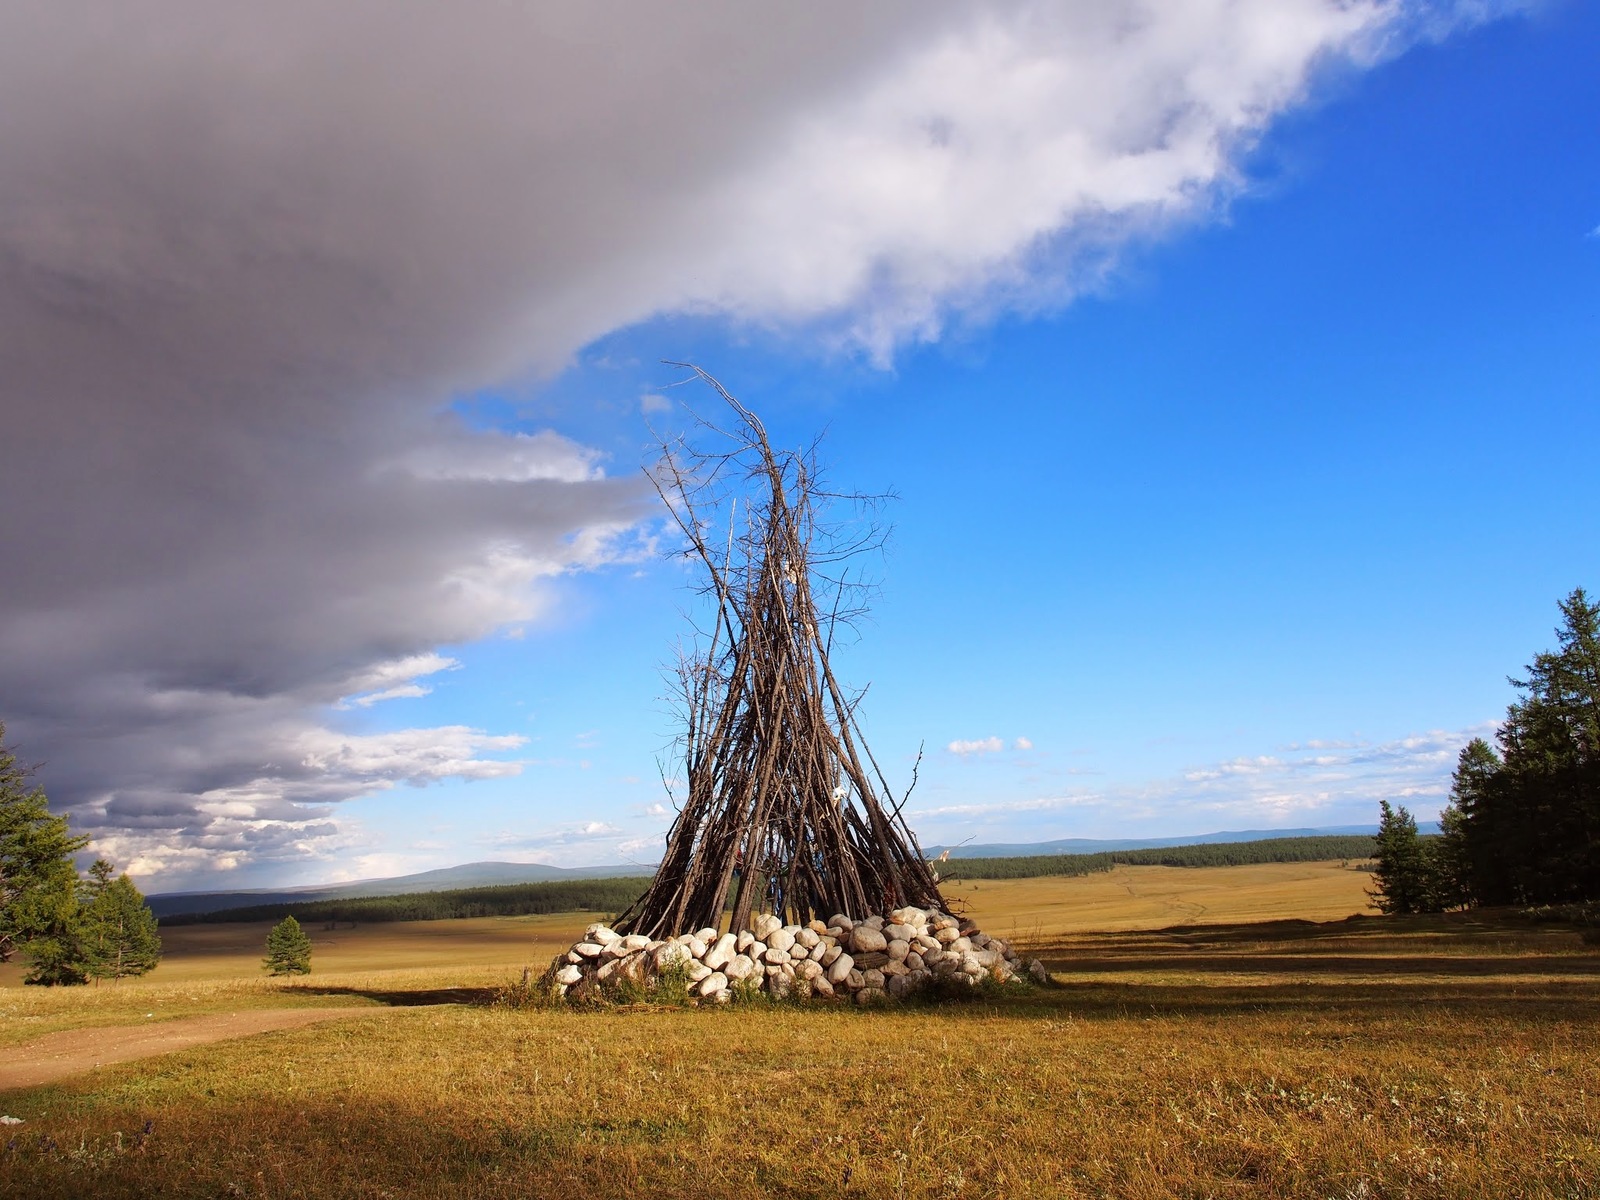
(1523, 823)
(69, 929)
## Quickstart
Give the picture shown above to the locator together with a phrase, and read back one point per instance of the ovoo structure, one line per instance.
(789, 865)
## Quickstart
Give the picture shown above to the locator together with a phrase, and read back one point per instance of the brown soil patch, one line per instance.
(74, 1051)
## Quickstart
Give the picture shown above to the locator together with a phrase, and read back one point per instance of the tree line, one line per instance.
(502, 900)
(1523, 823)
(69, 928)
(1205, 854)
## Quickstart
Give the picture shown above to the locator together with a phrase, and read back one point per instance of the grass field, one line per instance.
(1217, 1032)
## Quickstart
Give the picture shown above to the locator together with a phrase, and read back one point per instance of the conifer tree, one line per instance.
(117, 930)
(288, 949)
(1403, 871)
(38, 881)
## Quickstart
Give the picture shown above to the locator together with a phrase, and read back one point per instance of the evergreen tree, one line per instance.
(117, 930)
(288, 949)
(38, 881)
(1403, 873)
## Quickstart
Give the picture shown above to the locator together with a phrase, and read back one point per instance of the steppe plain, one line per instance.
(1224, 1031)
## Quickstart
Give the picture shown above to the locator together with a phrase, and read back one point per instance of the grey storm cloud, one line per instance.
(248, 254)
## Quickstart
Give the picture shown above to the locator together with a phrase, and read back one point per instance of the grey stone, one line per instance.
(866, 938)
(841, 967)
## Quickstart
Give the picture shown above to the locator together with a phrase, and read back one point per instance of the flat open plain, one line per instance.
(1214, 1032)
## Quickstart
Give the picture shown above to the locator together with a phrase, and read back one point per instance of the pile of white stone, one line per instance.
(872, 959)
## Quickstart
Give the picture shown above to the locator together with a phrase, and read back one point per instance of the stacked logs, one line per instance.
(899, 954)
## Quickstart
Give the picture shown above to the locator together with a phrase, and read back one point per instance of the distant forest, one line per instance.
(1213, 854)
(510, 900)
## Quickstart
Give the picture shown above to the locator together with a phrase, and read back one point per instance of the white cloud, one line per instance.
(1022, 743)
(1317, 782)
(652, 403)
(988, 745)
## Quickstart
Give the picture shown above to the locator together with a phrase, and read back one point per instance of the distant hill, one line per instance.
(1099, 845)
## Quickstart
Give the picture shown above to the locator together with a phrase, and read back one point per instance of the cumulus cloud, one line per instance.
(248, 258)
(1311, 783)
(964, 748)
(1022, 743)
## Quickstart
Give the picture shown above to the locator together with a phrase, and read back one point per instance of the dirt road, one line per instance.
(74, 1051)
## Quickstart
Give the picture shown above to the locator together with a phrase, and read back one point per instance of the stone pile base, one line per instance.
(874, 959)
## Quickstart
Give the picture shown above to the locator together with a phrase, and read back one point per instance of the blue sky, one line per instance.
(1230, 505)
(1301, 481)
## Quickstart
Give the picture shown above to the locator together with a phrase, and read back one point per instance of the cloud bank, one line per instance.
(249, 256)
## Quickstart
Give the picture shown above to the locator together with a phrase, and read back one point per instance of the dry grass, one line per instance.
(1367, 1058)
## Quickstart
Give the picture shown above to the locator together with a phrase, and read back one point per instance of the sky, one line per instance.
(1234, 365)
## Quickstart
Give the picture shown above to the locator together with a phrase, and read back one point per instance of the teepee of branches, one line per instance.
(784, 809)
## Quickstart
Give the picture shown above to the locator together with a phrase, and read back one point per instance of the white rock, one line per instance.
(587, 949)
(706, 935)
(568, 976)
(873, 978)
(721, 952)
(572, 956)
(756, 950)
(699, 971)
(873, 922)
(855, 981)
(961, 945)
(865, 939)
(930, 958)
(840, 921)
(808, 937)
(899, 933)
(890, 969)
(776, 956)
(742, 942)
(925, 941)
(635, 941)
(764, 925)
(696, 945)
(840, 968)
(600, 932)
(780, 939)
(780, 985)
(607, 969)
(714, 982)
(741, 966)
(871, 995)
(830, 955)
(946, 934)
(817, 927)
(808, 969)
(1037, 973)
(821, 987)
(898, 950)
(986, 958)
(669, 954)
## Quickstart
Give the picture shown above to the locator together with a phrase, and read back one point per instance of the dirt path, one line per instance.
(73, 1051)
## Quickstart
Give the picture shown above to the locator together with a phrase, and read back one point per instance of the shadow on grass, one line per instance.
(474, 997)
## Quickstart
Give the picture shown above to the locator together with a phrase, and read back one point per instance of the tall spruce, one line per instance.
(117, 930)
(288, 949)
(1403, 874)
(38, 880)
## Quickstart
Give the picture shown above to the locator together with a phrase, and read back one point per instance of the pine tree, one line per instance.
(288, 949)
(1403, 873)
(117, 930)
(38, 881)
